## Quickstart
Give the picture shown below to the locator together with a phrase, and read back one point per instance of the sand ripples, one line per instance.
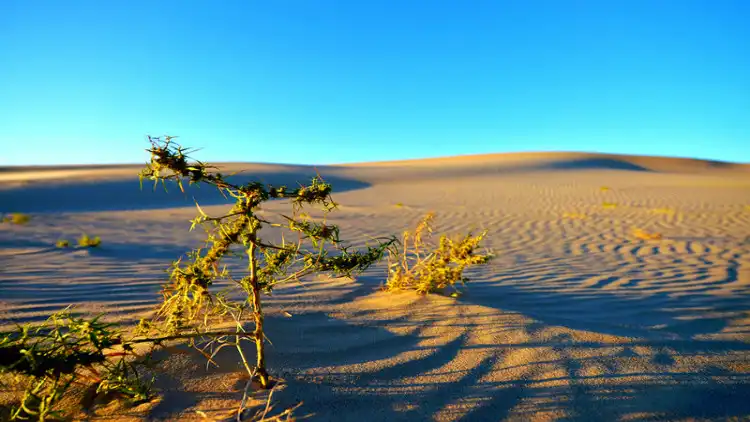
(577, 318)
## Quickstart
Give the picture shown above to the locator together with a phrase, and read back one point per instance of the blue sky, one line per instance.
(323, 81)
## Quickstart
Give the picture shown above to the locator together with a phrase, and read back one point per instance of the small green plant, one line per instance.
(609, 205)
(605, 189)
(62, 243)
(16, 218)
(85, 241)
(68, 352)
(429, 268)
(191, 305)
(399, 204)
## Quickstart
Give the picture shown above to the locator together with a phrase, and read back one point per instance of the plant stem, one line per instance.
(158, 340)
(258, 313)
(242, 355)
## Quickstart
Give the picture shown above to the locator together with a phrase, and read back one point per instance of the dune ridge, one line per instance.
(577, 319)
(533, 160)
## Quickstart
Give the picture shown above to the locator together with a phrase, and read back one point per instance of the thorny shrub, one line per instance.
(194, 307)
(66, 352)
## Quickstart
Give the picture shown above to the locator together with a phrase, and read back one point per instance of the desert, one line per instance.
(618, 289)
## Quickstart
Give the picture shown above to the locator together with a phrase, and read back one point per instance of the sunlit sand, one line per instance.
(620, 290)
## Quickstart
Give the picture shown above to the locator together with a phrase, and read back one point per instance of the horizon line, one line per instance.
(395, 160)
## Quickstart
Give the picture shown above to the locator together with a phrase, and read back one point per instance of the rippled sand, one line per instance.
(576, 318)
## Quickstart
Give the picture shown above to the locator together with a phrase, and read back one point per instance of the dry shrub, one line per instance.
(66, 353)
(194, 305)
(644, 235)
(429, 268)
(86, 241)
(16, 218)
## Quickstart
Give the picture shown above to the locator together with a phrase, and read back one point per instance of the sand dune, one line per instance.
(569, 160)
(577, 319)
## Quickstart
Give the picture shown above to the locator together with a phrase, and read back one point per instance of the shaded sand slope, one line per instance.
(118, 189)
(113, 188)
(577, 319)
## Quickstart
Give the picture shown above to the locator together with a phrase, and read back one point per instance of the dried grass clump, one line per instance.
(16, 218)
(644, 235)
(430, 268)
(86, 241)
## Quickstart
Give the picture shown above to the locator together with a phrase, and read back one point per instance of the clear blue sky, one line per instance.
(320, 81)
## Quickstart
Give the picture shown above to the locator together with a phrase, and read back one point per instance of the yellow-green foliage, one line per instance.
(85, 241)
(191, 300)
(609, 205)
(428, 268)
(66, 352)
(399, 205)
(62, 243)
(604, 189)
(644, 235)
(16, 218)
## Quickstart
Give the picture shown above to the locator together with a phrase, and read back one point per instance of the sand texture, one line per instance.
(576, 319)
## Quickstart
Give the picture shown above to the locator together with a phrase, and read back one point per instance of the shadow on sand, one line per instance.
(126, 195)
(401, 389)
(328, 363)
(664, 388)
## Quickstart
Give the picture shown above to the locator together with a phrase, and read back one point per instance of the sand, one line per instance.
(576, 319)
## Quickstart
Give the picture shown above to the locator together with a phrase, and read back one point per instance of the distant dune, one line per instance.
(527, 161)
(572, 160)
(115, 187)
(578, 318)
